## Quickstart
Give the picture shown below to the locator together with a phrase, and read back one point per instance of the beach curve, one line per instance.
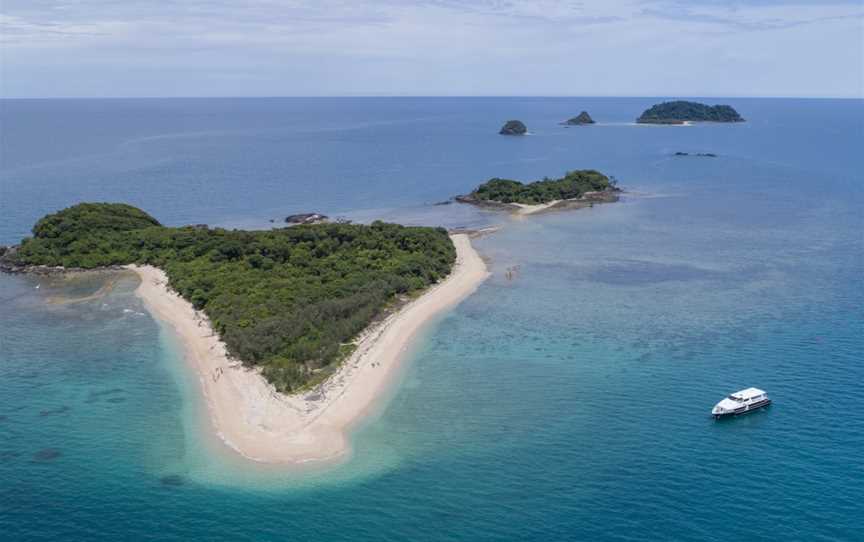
(263, 425)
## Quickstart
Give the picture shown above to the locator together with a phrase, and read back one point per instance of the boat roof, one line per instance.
(749, 392)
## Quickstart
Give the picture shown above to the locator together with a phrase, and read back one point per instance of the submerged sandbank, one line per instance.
(251, 417)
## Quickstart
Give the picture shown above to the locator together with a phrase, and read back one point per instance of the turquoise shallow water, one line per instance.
(568, 403)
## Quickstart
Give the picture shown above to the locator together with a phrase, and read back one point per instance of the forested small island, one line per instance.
(513, 127)
(288, 300)
(580, 119)
(679, 112)
(574, 185)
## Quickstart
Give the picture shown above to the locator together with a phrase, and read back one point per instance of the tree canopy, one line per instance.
(680, 111)
(289, 300)
(572, 185)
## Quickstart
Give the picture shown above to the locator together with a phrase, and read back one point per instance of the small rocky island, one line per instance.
(306, 218)
(578, 120)
(679, 112)
(580, 188)
(702, 154)
(513, 127)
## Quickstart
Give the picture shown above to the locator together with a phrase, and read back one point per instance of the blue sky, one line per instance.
(112, 48)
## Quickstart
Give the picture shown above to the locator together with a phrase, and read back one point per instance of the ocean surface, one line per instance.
(569, 402)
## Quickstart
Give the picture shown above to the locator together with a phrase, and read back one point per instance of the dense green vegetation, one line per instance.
(513, 127)
(289, 300)
(680, 111)
(572, 185)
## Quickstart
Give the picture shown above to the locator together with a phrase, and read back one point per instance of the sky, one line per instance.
(724, 48)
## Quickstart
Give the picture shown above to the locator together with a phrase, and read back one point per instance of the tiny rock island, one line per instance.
(680, 112)
(513, 127)
(575, 189)
(288, 301)
(306, 218)
(580, 119)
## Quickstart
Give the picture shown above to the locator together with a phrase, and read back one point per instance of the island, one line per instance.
(513, 127)
(294, 332)
(306, 218)
(576, 189)
(682, 112)
(578, 120)
(700, 154)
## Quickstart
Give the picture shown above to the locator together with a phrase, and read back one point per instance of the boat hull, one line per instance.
(744, 409)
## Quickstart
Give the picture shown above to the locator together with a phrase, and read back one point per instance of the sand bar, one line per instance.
(259, 423)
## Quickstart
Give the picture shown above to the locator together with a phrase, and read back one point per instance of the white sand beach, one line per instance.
(251, 417)
(523, 209)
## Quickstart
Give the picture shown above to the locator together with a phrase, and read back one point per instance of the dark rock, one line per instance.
(306, 218)
(446, 202)
(581, 118)
(58, 410)
(172, 480)
(48, 454)
(702, 154)
(513, 127)
(94, 396)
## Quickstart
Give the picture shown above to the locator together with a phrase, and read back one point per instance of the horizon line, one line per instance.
(442, 96)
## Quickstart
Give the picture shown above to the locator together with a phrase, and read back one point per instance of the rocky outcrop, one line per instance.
(703, 154)
(306, 218)
(513, 127)
(580, 119)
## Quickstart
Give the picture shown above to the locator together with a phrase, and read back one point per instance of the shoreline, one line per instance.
(522, 210)
(261, 424)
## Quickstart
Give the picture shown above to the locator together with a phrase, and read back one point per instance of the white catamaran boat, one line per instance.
(741, 402)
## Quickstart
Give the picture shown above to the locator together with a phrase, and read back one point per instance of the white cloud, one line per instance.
(290, 47)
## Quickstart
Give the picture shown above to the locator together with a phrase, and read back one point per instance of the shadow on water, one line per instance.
(52, 411)
(45, 455)
(172, 480)
(94, 396)
(637, 272)
(747, 419)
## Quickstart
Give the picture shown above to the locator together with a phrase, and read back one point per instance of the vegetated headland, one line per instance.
(294, 331)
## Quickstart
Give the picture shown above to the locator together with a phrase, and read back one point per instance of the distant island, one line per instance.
(306, 218)
(702, 154)
(581, 118)
(575, 189)
(513, 127)
(679, 112)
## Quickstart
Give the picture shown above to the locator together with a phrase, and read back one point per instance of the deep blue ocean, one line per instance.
(570, 402)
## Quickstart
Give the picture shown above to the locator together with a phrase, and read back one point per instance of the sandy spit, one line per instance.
(261, 424)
